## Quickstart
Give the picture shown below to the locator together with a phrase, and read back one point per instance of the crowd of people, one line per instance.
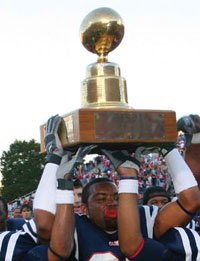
(153, 172)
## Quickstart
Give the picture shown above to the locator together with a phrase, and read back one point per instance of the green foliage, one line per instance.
(21, 168)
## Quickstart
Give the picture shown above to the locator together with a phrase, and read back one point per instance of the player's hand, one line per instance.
(121, 159)
(65, 173)
(52, 142)
(163, 149)
(190, 125)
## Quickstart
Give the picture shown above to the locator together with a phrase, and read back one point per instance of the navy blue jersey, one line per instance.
(13, 245)
(151, 250)
(38, 253)
(15, 224)
(94, 244)
(184, 242)
(192, 224)
(91, 243)
(147, 219)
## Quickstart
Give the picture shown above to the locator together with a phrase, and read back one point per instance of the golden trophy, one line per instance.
(105, 117)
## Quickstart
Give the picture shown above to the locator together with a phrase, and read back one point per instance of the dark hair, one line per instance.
(155, 191)
(4, 203)
(77, 183)
(25, 206)
(86, 188)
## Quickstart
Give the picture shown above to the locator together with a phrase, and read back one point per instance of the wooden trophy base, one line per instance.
(115, 128)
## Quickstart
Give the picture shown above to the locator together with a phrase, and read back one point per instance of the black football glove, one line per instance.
(121, 158)
(189, 125)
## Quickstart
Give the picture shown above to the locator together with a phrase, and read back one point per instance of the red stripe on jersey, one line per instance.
(139, 249)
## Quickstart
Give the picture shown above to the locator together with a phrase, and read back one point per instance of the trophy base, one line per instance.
(115, 128)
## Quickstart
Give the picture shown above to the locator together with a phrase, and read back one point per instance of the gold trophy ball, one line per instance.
(101, 31)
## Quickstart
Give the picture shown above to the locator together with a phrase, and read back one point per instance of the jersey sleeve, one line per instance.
(183, 242)
(15, 224)
(13, 245)
(192, 224)
(151, 250)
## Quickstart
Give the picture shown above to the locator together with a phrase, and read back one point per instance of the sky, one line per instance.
(42, 61)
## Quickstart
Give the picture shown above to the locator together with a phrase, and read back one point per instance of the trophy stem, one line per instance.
(102, 58)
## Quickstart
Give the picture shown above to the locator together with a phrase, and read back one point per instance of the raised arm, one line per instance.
(44, 202)
(128, 214)
(185, 183)
(130, 236)
(62, 236)
(180, 212)
(190, 125)
(131, 241)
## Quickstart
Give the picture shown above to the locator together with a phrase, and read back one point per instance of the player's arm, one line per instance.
(130, 237)
(190, 125)
(44, 202)
(180, 213)
(62, 236)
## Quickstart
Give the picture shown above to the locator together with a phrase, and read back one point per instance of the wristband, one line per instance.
(128, 186)
(130, 177)
(64, 196)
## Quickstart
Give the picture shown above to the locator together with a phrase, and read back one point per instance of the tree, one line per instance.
(21, 168)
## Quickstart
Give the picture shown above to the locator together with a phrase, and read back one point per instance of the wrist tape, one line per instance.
(64, 196)
(179, 171)
(128, 186)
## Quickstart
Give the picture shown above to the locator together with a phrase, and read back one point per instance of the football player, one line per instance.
(101, 221)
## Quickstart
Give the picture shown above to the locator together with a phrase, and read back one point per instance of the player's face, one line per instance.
(102, 205)
(159, 201)
(77, 199)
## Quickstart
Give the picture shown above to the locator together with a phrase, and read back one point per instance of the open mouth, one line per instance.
(77, 209)
(111, 213)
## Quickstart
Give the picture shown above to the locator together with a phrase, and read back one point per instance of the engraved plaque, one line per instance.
(132, 126)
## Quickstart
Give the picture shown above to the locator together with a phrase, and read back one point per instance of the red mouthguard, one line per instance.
(111, 213)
